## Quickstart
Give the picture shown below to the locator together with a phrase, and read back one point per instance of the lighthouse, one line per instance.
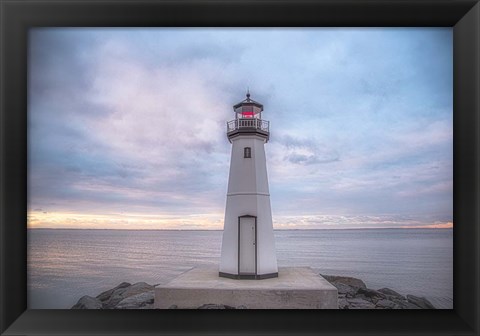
(248, 244)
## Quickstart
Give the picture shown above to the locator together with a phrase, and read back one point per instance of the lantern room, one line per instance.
(248, 119)
(248, 108)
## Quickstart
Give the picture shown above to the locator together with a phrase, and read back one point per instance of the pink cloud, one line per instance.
(448, 225)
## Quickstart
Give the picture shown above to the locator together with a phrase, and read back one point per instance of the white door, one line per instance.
(247, 249)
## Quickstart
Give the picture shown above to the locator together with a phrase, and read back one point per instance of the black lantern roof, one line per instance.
(248, 102)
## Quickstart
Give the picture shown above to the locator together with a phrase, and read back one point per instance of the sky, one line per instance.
(127, 127)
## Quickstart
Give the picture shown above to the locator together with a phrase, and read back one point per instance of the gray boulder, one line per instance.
(357, 303)
(386, 304)
(122, 293)
(342, 303)
(137, 301)
(148, 306)
(391, 293)
(420, 301)
(363, 297)
(107, 294)
(371, 294)
(114, 299)
(349, 281)
(88, 302)
(346, 290)
(139, 287)
(404, 304)
(215, 306)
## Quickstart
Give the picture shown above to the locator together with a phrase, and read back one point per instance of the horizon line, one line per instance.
(316, 229)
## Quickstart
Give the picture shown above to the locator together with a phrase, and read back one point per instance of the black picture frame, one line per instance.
(18, 16)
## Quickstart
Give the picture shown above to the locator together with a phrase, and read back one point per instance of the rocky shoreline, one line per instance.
(352, 294)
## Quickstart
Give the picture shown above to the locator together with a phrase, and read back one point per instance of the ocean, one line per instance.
(64, 265)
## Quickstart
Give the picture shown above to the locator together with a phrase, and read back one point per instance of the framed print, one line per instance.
(247, 253)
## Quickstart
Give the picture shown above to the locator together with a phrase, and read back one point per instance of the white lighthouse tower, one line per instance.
(248, 245)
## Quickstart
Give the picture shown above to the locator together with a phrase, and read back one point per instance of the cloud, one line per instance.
(127, 221)
(133, 120)
(448, 225)
(147, 144)
(303, 151)
(355, 222)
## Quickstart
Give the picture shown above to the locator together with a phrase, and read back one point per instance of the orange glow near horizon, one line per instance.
(213, 221)
(448, 225)
(66, 220)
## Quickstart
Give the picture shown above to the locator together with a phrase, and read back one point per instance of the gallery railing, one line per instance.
(262, 125)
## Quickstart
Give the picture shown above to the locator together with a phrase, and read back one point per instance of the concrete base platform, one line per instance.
(295, 288)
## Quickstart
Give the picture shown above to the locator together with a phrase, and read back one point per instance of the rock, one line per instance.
(342, 304)
(357, 303)
(115, 298)
(215, 306)
(121, 293)
(88, 302)
(349, 281)
(363, 297)
(107, 294)
(352, 294)
(137, 301)
(148, 306)
(139, 287)
(346, 290)
(404, 304)
(372, 294)
(392, 293)
(386, 304)
(420, 301)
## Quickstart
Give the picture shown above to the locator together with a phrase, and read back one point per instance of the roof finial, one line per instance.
(248, 93)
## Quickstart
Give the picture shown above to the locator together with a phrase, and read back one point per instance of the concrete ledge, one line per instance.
(294, 288)
(248, 276)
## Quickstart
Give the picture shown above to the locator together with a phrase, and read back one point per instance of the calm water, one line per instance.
(64, 265)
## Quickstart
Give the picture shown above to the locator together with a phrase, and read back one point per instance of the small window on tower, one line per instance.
(247, 152)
